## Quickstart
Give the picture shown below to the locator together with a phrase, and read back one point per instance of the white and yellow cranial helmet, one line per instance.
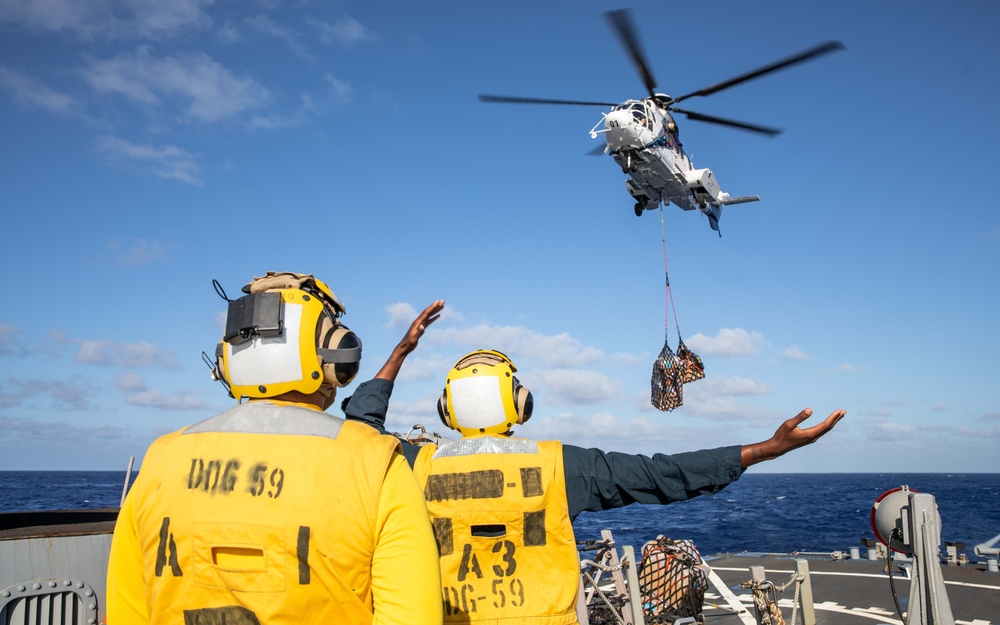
(285, 335)
(482, 396)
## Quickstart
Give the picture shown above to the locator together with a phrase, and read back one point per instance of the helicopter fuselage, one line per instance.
(642, 138)
(641, 135)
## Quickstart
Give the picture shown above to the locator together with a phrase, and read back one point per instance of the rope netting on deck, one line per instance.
(672, 580)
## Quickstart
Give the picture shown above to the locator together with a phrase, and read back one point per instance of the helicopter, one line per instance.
(643, 139)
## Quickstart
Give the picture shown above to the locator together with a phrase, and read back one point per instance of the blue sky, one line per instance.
(150, 146)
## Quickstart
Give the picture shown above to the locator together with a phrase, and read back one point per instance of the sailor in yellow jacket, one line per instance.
(502, 507)
(275, 512)
(498, 504)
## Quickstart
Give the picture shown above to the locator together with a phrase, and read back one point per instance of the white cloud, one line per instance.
(206, 91)
(719, 398)
(728, 342)
(336, 93)
(163, 401)
(108, 353)
(401, 315)
(267, 26)
(107, 19)
(345, 31)
(141, 252)
(894, 430)
(795, 353)
(137, 394)
(402, 415)
(168, 162)
(228, 33)
(130, 383)
(72, 395)
(846, 368)
(888, 431)
(29, 91)
(156, 17)
(714, 406)
(575, 386)
(272, 122)
(338, 90)
(601, 429)
(628, 360)
(23, 430)
(10, 345)
(221, 319)
(418, 369)
(560, 350)
(729, 385)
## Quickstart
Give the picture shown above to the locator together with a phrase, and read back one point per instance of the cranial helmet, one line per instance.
(285, 335)
(482, 396)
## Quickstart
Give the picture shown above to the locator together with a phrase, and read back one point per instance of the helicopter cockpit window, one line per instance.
(639, 115)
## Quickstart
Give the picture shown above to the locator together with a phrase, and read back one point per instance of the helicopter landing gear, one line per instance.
(701, 199)
(630, 166)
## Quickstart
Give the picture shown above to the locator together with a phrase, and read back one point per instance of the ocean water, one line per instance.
(762, 512)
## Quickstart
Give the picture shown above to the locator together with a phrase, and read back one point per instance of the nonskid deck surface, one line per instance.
(851, 592)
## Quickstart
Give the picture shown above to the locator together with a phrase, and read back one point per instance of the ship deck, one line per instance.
(849, 592)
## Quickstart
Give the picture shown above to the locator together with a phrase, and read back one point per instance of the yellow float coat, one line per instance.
(273, 514)
(501, 522)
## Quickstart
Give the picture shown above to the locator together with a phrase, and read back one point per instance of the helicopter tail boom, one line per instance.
(743, 199)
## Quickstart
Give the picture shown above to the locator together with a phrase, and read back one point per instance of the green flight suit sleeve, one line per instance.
(598, 480)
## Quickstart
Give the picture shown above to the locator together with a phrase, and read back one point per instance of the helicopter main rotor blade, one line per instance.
(765, 130)
(517, 100)
(622, 23)
(826, 48)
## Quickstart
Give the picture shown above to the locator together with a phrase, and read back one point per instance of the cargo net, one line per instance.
(671, 372)
(667, 390)
(689, 363)
(672, 580)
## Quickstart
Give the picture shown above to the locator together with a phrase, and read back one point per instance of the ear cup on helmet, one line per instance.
(340, 349)
(442, 406)
(524, 403)
(341, 373)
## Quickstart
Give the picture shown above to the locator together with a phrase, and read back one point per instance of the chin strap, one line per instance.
(329, 393)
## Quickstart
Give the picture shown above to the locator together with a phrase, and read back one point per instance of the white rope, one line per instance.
(604, 598)
(607, 568)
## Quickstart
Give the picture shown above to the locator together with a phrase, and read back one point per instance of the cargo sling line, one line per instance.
(671, 371)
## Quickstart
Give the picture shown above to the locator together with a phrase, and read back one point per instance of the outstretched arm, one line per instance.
(390, 369)
(598, 480)
(788, 437)
(370, 401)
